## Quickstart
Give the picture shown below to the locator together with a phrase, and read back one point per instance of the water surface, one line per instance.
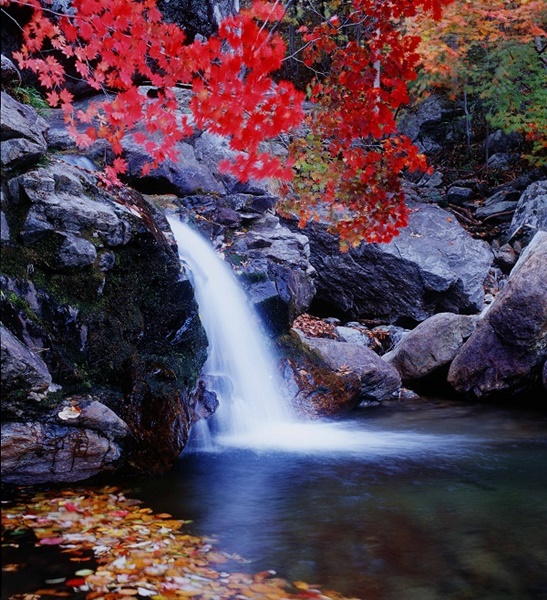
(453, 505)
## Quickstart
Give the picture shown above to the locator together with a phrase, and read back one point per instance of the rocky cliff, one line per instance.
(101, 341)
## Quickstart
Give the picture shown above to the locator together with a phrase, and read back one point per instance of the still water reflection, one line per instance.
(461, 516)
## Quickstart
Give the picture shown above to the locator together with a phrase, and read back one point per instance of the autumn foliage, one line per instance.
(347, 158)
(494, 53)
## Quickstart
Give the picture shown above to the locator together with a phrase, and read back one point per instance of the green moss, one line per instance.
(21, 305)
(32, 97)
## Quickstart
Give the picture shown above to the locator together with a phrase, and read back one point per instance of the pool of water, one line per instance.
(453, 505)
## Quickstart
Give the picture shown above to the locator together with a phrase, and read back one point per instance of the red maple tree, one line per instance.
(347, 164)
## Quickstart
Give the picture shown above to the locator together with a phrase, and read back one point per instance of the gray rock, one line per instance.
(76, 252)
(544, 375)
(314, 391)
(379, 380)
(459, 195)
(125, 327)
(502, 160)
(499, 141)
(24, 373)
(210, 149)
(432, 266)
(531, 211)
(4, 228)
(9, 73)
(501, 205)
(36, 453)
(185, 176)
(386, 337)
(22, 133)
(505, 256)
(95, 415)
(354, 336)
(273, 263)
(505, 354)
(198, 17)
(428, 123)
(432, 344)
(59, 204)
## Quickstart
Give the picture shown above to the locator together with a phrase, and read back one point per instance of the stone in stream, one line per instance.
(432, 344)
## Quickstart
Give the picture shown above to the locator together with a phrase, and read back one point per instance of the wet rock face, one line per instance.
(378, 379)
(432, 266)
(505, 354)
(314, 388)
(93, 303)
(24, 374)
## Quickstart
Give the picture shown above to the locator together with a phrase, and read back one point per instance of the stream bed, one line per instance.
(452, 505)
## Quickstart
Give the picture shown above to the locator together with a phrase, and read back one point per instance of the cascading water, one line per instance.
(242, 372)
(239, 368)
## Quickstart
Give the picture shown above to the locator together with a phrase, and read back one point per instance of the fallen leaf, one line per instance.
(69, 412)
(51, 541)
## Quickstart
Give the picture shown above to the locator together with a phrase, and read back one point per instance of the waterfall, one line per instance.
(242, 372)
(239, 367)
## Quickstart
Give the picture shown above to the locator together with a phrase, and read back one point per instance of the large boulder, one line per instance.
(379, 380)
(82, 439)
(92, 284)
(505, 354)
(432, 344)
(313, 388)
(273, 264)
(433, 266)
(429, 124)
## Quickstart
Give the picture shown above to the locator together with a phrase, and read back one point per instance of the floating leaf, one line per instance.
(51, 541)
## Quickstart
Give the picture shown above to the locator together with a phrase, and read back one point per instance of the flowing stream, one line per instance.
(429, 500)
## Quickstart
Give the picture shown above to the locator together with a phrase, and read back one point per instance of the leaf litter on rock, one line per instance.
(137, 553)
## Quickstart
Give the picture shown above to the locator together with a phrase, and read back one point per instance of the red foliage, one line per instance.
(350, 163)
(349, 166)
(115, 44)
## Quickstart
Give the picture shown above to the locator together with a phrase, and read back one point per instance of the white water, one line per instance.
(239, 368)
(243, 374)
